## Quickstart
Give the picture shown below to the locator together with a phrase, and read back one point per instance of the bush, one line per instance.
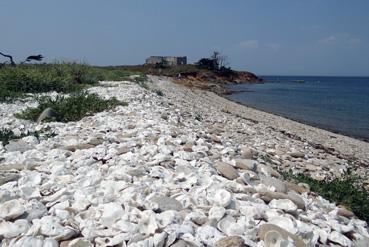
(72, 108)
(346, 191)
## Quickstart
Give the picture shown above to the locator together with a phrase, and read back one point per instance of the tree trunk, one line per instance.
(10, 58)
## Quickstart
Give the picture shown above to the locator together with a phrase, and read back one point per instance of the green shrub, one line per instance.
(346, 191)
(6, 135)
(72, 108)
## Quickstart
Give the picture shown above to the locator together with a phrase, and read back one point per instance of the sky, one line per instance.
(267, 37)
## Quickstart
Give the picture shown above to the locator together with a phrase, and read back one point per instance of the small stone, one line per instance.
(216, 139)
(339, 238)
(279, 185)
(6, 177)
(297, 188)
(96, 141)
(345, 213)
(76, 147)
(226, 170)
(246, 164)
(187, 148)
(122, 150)
(167, 203)
(231, 241)
(18, 145)
(285, 204)
(297, 155)
(247, 153)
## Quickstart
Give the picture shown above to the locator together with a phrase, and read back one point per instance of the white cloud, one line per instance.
(273, 46)
(341, 39)
(249, 44)
(330, 40)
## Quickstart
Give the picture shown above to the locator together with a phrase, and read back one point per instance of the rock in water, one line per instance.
(47, 113)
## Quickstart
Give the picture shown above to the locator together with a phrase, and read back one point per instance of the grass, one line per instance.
(70, 108)
(61, 77)
(6, 135)
(346, 191)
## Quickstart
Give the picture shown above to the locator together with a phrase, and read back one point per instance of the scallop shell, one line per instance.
(11, 209)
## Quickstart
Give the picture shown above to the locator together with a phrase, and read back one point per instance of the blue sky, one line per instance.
(284, 37)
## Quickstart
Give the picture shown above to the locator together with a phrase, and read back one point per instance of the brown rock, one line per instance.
(345, 213)
(246, 164)
(267, 196)
(265, 229)
(297, 155)
(247, 153)
(187, 148)
(231, 241)
(216, 139)
(76, 147)
(96, 141)
(296, 188)
(226, 170)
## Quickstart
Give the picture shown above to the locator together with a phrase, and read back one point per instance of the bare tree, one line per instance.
(10, 58)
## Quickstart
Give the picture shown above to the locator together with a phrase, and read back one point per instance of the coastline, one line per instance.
(300, 121)
(171, 158)
(355, 151)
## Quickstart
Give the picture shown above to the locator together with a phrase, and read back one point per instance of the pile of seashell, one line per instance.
(150, 174)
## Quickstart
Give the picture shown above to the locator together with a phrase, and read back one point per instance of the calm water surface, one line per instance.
(339, 104)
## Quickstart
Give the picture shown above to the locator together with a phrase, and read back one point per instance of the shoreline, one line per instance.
(354, 150)
(172, 158)
(300, 121)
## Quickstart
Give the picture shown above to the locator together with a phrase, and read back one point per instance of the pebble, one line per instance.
(226, 170)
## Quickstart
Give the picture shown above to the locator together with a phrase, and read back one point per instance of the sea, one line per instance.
(337, 104)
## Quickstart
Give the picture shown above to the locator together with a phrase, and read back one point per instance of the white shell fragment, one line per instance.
(185, 169)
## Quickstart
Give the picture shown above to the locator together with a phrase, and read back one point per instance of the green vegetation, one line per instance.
(16, 81)
(159, 92)
(70, 108)
(6, 135)
(346, 191)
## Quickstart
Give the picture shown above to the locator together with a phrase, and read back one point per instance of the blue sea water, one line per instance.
(338, 104)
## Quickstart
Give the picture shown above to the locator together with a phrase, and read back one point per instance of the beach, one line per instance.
(177, 166)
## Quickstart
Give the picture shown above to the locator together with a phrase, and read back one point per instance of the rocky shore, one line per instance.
(188, 168)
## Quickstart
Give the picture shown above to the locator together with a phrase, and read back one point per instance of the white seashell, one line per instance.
(339, 238)
(225, 224)
(208, 235)
(111, 212)
(31, 241)
(11, 230)
(50, 226)
(254, 211)
(284, 223)
(285, 204)
(217, 213)
(80, 242)
(35, 210)
(197, 217)
(159, 239)
(147, 224)
(11, 209)
(108, 241)
(222, 198)
(168, 217)
(274, 239)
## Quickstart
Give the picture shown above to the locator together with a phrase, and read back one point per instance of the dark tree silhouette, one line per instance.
(34, 57)
(10, 58)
